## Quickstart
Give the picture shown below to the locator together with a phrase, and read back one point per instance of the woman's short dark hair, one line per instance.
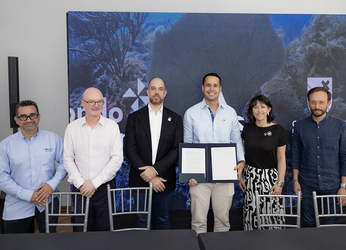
(261, 99)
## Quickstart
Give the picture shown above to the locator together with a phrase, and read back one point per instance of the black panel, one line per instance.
(13, 87)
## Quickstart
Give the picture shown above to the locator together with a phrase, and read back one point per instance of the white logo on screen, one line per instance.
(130, 93)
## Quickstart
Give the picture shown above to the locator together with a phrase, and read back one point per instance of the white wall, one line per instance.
(35, 31)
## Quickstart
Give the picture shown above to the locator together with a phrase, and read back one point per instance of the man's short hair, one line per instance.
(212, 74)
(26, 103)
(317, 89)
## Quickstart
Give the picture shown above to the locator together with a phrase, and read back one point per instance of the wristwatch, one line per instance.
(280, 183)
(343, 185)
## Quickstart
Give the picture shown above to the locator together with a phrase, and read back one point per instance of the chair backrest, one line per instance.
(71, 210)
(278, 211)
(135, 200)
(325, 209)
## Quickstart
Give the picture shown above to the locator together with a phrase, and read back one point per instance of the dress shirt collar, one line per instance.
(151, 110)
(205, 105)
(34, 136)
(321, 122)
(102, 121)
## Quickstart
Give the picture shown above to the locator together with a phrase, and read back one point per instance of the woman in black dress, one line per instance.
(265, 146)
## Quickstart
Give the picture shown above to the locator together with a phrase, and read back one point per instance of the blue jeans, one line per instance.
(308, 213)
(23, 225)
(161, 204)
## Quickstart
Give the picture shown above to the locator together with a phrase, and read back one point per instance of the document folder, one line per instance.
(207, 162)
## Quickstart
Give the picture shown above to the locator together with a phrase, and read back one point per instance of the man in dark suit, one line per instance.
(152, 136)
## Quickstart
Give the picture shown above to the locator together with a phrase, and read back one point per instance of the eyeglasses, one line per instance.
(92, 103)
(23, 118)
(320, 103)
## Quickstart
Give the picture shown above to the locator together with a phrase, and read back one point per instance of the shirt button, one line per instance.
(318, 146)
(318, 137)
(318, 156)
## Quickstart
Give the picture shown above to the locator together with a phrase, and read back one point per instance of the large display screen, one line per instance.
(279, 55)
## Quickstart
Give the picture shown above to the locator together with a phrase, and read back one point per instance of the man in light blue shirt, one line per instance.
(27, 171)
(211, 121)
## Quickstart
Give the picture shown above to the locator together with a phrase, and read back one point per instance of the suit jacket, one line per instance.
(138, 150)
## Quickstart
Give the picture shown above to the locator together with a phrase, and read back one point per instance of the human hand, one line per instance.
(148, 173)
(34, 197)
(342, 191)
(240, 167)
(87, 189)
(192, 182)
(296, 188)
(276, 190)
(158, 184)
(241, 183)
(43, 192)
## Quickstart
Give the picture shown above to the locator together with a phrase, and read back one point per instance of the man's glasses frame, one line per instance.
(92, 103)
(320, 103)
(23, 118)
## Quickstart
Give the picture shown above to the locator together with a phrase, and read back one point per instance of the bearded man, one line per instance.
(319, 156)
(152, 136)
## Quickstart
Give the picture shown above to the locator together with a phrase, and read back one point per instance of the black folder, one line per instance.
(208, 177)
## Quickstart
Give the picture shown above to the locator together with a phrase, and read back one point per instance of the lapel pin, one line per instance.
(269, 133)
(169, 119)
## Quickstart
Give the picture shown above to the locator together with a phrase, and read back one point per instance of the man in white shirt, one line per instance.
(93, 153)
(152, 136)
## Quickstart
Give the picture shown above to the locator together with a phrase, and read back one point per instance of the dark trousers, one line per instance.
(98, 217)
(308, 213)
(161, 203)
(24, 225)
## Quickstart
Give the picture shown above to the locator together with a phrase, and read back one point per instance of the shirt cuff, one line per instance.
(77, 182)
(156, 171)
(25, 195)
(97, 182)
(52, 184)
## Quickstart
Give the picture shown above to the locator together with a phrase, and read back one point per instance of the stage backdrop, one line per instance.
(280, 56)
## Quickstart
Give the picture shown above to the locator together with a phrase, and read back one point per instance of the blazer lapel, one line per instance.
(144, 120)
(164, 128)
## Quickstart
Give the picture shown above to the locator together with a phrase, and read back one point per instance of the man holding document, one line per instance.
(212, 122)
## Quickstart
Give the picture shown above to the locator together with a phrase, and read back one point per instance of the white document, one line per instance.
(224, 160)
(193, 161)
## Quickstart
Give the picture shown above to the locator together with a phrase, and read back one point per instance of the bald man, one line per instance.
(152, 136)
(93, 153)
